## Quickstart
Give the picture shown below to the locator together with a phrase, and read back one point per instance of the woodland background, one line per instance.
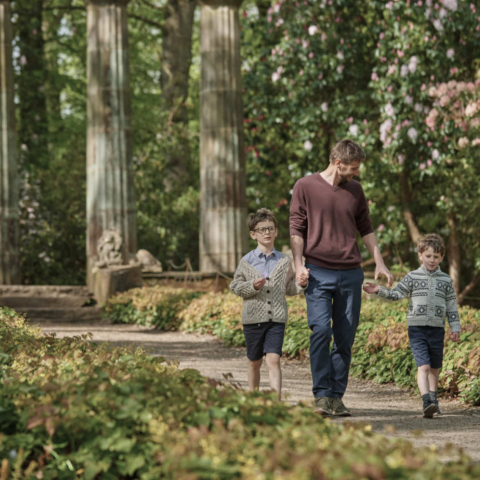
(398, 77)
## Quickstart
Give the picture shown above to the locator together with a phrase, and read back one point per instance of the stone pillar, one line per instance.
(110, 190)
(9, 227)
(223, 231)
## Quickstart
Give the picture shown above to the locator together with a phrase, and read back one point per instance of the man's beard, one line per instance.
(345, 178)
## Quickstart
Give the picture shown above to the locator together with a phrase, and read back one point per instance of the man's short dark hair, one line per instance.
(347, 151)
(431, 240)
(261, 215)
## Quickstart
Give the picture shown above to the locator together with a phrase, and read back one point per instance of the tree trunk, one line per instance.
(454, 254)
(176, 61)
(33, 131)
(407, 213)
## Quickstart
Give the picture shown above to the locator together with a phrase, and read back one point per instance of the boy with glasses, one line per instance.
(263, 277)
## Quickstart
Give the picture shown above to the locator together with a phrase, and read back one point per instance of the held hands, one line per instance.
(381, 269)
(371, 288)
(302, 276)
(454, 337)
(259, 283)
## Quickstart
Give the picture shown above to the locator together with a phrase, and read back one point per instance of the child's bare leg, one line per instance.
(254, 374)
(422, 379)
(275, 373)
(433, 379)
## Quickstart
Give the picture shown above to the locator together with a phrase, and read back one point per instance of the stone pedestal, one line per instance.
(110, 190)
(111, 280)
(223, 222)
(9, 227)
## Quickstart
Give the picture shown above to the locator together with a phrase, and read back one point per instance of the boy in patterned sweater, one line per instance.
(263, 277)
(432, 299)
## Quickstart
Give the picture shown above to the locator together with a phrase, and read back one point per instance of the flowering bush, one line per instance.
(320, 71)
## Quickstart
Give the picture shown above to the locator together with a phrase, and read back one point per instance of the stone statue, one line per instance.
(109, 249)
(148, 262)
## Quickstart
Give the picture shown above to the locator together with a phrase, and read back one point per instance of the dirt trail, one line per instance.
(382, 406)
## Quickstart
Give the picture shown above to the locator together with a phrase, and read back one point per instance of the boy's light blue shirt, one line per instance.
(265, 265)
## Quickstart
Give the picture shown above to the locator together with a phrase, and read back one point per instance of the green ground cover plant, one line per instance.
(72, 409)
(381, 351)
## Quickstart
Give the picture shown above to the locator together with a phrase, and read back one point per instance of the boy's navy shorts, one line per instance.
(263, 338)
(427, 345)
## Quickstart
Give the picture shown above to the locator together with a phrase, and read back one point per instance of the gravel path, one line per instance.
(389, 409)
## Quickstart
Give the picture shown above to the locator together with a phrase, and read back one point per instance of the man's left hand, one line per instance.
(383, 270)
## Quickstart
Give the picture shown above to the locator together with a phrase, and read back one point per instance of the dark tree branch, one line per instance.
(468, 288)
(145, 20)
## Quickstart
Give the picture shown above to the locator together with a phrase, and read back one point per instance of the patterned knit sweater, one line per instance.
(267, 304)
(432, 298)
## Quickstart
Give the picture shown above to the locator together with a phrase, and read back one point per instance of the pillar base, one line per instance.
(109, 281)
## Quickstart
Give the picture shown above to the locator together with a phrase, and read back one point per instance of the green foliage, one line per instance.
(89, 411)
(381, 351)
(156, 306)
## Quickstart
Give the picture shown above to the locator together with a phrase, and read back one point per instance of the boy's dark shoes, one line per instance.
(339, 409)
(323, 406)
(435, 402)
(429, 408)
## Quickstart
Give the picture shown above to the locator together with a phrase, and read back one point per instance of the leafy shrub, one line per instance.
(152, 306)
(381, 351)
(89, 411)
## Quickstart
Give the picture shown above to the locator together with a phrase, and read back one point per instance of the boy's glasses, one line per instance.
(264, 230)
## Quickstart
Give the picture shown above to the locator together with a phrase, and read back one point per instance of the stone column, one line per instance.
(9, 231)
(110, 190)
(223, 231)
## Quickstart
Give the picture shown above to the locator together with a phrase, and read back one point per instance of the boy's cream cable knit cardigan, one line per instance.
(267, 304)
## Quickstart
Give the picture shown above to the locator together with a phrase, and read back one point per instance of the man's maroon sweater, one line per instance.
(327, 218)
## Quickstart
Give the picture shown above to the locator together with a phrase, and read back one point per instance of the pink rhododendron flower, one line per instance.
(450, 53)
(444, 100)
(324, 106)
(385, 127)
(463, 142)
(412, 133)
(353, 130)
(435, 154)
(453, 70)
(429, 163)
(389, 110)
(476, 142)
(310, 55)
(401, 158)
(308, 145)
(452, 5)
(381, 227)
(374, 77)
(275, 76)
(422, 166)
(471, 109)
(312, 30)
(300, 72)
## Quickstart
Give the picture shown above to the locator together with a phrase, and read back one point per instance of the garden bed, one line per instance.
(72, 409)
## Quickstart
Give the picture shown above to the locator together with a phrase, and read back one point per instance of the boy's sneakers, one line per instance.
(323, 406)
(429, 408)
(331, 406)
(435, 402)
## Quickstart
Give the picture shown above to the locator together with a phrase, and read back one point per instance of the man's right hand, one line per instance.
(302, 274)
(259, 283)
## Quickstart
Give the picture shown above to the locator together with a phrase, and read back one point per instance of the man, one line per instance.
(327, 210)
